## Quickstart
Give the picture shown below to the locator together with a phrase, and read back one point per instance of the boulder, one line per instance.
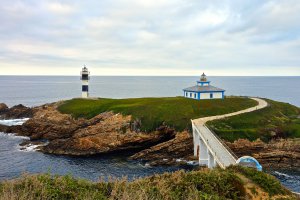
(3, 107)
(15, 112)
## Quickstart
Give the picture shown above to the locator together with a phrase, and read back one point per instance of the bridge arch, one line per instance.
(249, 162)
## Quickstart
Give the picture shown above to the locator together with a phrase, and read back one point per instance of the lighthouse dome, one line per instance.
(203, 77)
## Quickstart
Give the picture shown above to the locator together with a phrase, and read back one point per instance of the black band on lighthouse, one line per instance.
(85, 88)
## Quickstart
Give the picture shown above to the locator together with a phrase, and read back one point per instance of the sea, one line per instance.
(38, 90)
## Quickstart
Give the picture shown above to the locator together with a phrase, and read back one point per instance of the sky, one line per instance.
(149, 37)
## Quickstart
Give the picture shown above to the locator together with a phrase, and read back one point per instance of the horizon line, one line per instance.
(157, 75)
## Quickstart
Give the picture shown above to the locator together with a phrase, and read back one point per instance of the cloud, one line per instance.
(59, 8)
(169, 37)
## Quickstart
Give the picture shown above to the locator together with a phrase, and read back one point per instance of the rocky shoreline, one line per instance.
(114, 133)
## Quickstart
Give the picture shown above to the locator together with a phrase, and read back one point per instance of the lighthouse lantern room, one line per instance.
(85, 82)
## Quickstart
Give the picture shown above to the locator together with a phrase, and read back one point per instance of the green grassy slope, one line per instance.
(209, 184)
(279, 120)
(174, 111)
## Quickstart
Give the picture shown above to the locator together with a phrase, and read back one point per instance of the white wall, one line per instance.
(204, 95)
(193, 95)
(216, 95)
(84, 95)
(85, 82)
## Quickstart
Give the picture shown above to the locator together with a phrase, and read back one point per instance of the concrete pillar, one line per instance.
(203, 158)
(211, 160)
(195, 141)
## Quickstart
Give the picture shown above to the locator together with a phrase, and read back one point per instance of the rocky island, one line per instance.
(158, 130)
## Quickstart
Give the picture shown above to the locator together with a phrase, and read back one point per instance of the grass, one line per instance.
(265, 181)
(173, 111)
(278, 120)
(204, 184)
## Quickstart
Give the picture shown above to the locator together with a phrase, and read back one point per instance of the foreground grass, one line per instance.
(278, 120)
(174, 111)
(205, 184)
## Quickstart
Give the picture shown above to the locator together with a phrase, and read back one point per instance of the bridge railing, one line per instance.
(223, 143)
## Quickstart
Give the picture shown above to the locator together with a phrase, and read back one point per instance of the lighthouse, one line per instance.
(203, 90)
(85, 82)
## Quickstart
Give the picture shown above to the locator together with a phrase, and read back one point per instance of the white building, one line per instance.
(85, 82)
(203, 90)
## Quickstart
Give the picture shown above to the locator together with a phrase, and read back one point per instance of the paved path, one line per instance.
(222, 154)
(261, 104)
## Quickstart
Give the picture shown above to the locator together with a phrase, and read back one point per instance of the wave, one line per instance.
(13, 122)
(283, 174)
(12, 135)
(32, 147)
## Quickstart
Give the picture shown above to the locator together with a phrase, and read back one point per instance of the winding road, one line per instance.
(261, 104)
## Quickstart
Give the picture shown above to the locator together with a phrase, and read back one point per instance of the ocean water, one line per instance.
(15, 161)
(37, 90)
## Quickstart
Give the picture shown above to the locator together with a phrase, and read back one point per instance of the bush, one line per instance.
(266, 181)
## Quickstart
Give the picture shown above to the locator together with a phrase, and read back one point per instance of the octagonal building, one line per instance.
(203, 90)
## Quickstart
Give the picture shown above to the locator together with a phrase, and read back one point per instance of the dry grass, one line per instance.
(180, 185)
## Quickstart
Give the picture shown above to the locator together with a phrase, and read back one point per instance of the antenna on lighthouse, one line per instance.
(85, 81)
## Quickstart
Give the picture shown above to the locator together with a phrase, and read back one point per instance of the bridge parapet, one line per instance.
(209, 149)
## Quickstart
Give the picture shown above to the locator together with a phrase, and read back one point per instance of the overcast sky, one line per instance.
(150, 37)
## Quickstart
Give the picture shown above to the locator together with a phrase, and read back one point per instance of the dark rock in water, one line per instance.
(15, 112)
(3, 107)
(170, 152)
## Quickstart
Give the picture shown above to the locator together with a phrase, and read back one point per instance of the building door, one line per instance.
(211, 95)
(198, 149)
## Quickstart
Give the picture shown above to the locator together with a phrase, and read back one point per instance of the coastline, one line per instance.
(159, 147)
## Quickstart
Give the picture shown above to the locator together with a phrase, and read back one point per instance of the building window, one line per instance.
(211, 95)
(186, 94)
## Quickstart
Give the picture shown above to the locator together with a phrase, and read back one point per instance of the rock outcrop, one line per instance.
(104, 133)
(15, 112)
(283, 153)
(170, 152)
(109, 132)
(3, 107)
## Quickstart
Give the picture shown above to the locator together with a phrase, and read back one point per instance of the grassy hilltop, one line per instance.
(278, 120)
(176, 112)
(232, 183)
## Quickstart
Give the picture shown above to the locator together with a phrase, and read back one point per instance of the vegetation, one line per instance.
(204, 184)
(173, 111)
(278, 120)
(265, 181)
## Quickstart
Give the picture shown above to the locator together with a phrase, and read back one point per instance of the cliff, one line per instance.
(104, 133)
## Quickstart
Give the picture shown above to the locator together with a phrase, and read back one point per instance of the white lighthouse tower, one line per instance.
(85, 82)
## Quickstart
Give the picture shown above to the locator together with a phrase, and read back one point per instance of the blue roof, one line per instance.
(208, 88)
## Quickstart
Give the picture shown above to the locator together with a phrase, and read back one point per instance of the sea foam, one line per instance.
(13, 122)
